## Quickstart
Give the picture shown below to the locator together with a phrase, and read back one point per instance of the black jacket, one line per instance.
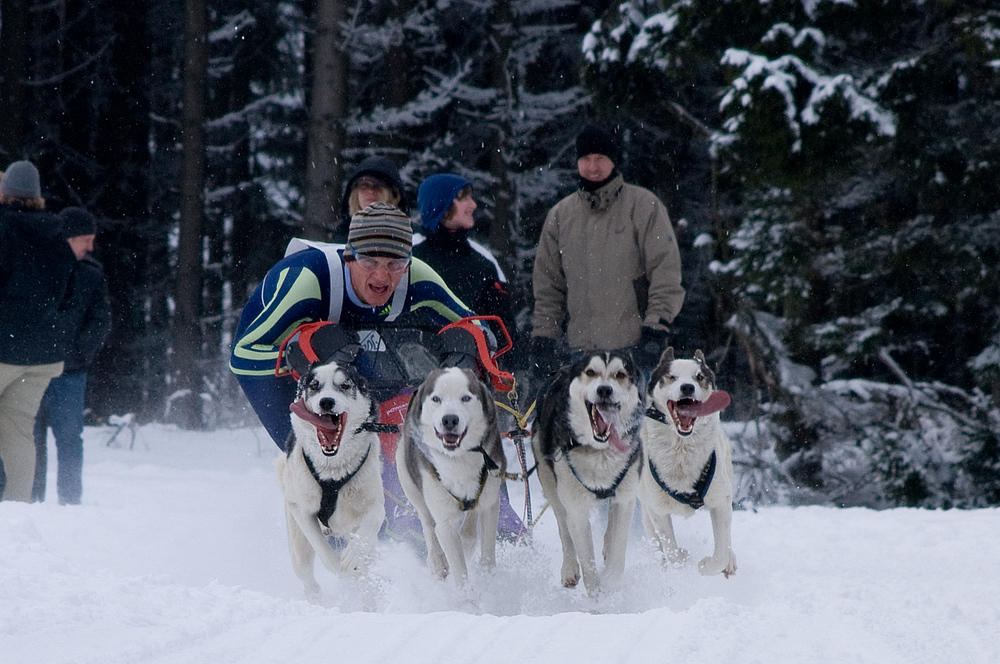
(87, 320)
(476, 279)
(36, 264)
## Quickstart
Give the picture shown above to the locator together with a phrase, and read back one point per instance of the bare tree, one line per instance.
(14, 71)
(327, 112)
(187, 332)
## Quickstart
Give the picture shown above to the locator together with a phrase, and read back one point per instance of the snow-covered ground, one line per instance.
(178, 554)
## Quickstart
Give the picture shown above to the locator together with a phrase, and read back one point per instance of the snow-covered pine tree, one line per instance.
(859, 140)
(485, 89)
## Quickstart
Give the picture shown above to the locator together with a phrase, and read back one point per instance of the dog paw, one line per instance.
(675, 557)
(712, 566)
(354, 560)
(570, 575)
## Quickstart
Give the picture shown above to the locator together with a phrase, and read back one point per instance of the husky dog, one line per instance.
(450, 464)
(586, 441)
(687, 458)
(331, 475)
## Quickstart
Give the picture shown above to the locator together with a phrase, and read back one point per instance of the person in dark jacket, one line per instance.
(446, 215)
(375, 180)
(36, 264)
(86, 325)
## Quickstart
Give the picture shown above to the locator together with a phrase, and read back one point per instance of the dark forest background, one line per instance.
(831, 170)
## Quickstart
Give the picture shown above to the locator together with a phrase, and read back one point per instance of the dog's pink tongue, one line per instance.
(299, 408)
(716, 402)
(616, 442)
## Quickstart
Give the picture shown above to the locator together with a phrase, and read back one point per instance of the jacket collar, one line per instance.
(603, 198)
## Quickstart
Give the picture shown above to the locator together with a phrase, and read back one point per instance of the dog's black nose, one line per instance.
(326, 404)
(449, 422)
(604, 392)
(687, 390)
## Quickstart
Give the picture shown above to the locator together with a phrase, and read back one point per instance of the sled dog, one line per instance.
(331, 475)
(586, 442)
(687, 458)
(450, 463)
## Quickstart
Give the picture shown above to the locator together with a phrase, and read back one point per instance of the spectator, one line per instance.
(608, 268)
(36, 264)
(375, 180)
(470, 270)
(87, 323)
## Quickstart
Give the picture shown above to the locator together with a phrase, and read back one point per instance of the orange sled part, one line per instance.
(502, 380)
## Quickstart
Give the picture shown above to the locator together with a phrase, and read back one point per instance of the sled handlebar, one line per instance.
(502, 380)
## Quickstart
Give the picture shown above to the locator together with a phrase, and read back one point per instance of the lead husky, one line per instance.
(450, 464)
(687, 458)
(331, 476)
(586, 441)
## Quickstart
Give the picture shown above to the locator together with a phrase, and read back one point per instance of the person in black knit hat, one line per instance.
(608, 268)
(86, 323)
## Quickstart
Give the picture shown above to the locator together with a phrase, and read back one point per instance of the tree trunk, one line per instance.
(504, 81)
(187, 333)
(14, 71)
(327, 114)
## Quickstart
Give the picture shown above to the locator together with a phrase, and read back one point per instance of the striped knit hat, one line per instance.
(380, 230)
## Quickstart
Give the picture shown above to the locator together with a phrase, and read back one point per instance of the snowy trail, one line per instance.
(178, 554)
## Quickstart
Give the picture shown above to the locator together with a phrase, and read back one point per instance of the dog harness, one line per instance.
(488, 464)
(331, 489)
(696, 497)
(610, 491)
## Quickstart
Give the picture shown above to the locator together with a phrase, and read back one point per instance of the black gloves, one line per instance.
(650, 346)
(545, 359)
(327, 342)
(458, 349)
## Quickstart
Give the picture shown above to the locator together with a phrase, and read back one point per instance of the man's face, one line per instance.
(375, 278)
(81, 245)
(595, 167)
(464, 205)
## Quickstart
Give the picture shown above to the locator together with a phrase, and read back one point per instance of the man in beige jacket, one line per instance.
(608, 269)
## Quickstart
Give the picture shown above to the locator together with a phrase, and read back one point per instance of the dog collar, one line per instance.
(696, 497)
(655, 413)
(610, 491)
(331, 488)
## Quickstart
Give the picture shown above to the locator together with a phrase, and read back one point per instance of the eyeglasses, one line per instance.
(390, 265)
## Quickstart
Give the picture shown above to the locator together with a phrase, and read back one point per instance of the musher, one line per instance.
(387, 308)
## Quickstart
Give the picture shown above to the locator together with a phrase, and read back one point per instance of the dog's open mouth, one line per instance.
(451, 441)
(329, 426)
(331, 433)
(604, 418)
(684, 412)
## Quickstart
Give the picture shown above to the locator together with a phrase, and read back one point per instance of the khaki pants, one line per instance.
(21, 390)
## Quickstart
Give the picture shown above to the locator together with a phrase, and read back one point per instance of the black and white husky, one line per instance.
(331, 475)
(687, 458)
(586, 441)
(450, 464)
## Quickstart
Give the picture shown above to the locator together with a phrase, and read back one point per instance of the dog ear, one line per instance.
(668, 355)
(709, 374)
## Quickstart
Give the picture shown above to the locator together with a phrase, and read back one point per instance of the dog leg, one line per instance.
(578, 525)
(489, 520)
(451, 543)
(661, 529)
(616, 538)
(722, 559)
(302, 557)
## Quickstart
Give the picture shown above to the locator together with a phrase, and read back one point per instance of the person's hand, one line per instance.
(647, 351)
(544, 360)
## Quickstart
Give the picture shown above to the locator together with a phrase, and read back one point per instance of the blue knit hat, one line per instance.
(21, 180)
(435, 196)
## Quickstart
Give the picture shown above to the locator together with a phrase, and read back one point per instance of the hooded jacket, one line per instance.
(607, 265)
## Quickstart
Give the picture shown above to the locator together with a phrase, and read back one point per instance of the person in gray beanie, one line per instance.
(86, 324)
(36, 266)
(608, 269)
